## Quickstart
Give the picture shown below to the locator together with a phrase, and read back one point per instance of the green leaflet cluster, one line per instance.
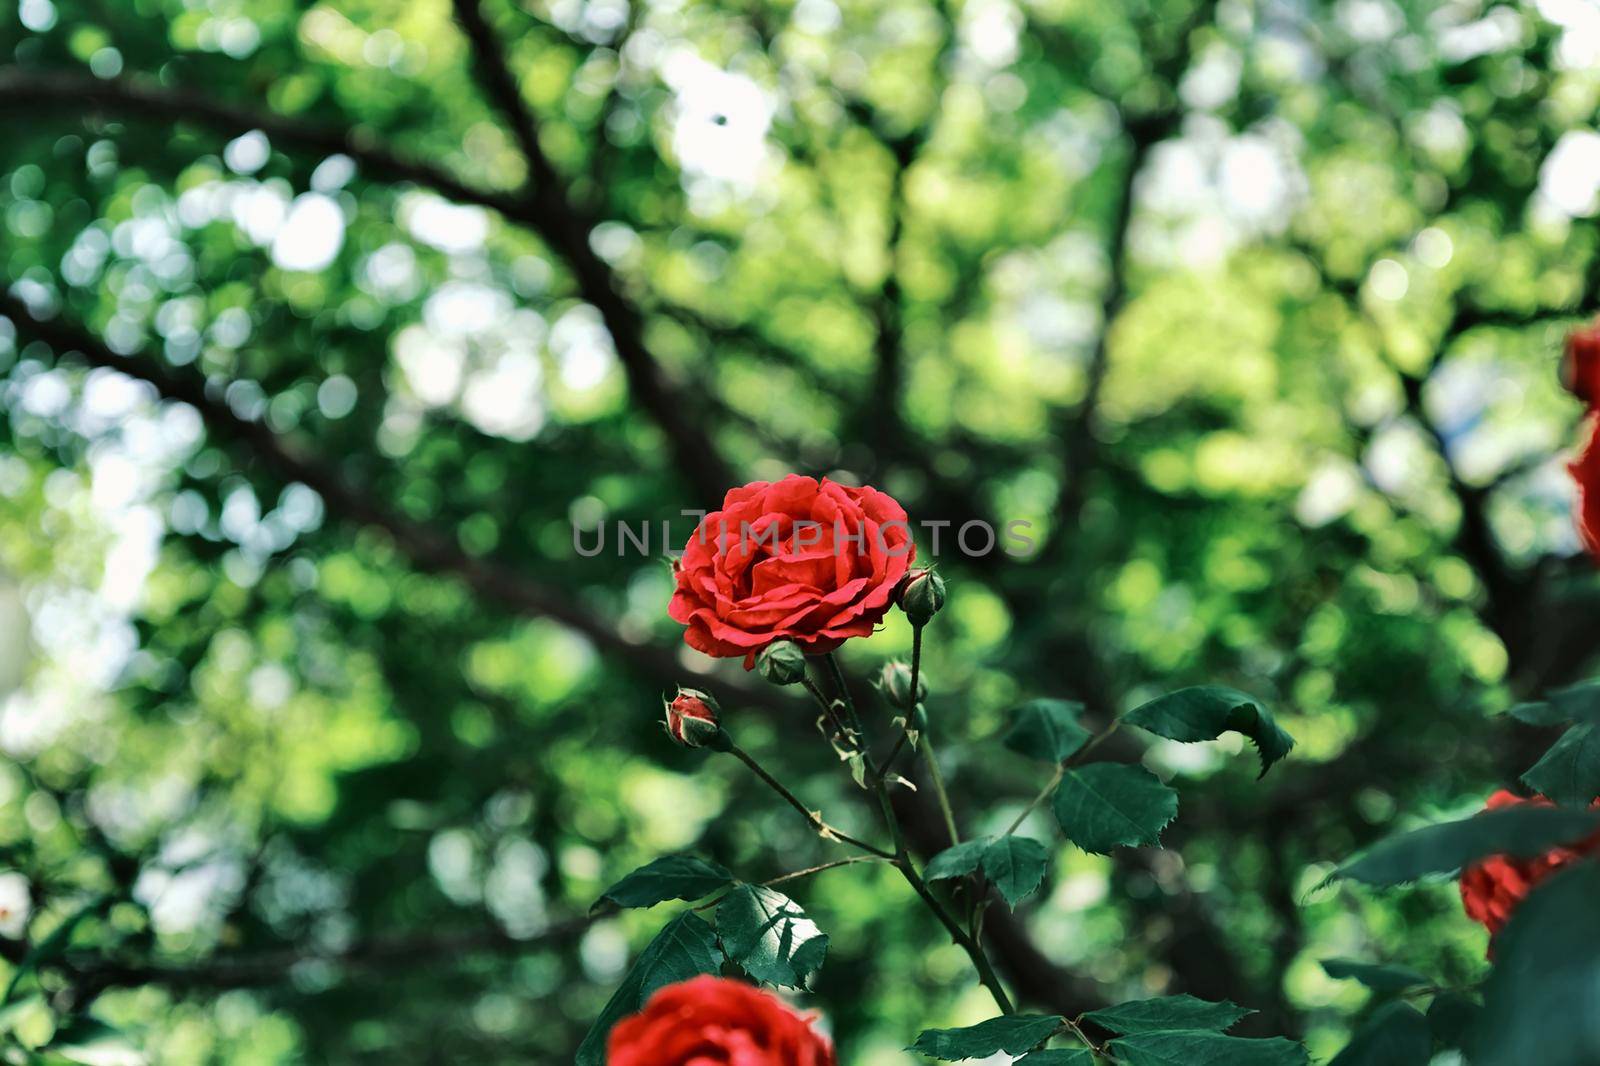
(1104, 805)
(758, 929)
(1100, 806)
(1536, 1004)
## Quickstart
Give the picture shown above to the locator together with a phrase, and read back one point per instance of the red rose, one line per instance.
(1493, 888)
(1580, 365)
(1585, 470)
(797, 559)
(712, 1021)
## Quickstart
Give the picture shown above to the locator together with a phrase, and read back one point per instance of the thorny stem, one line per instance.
(808, 871)
(1077, 1031)
(901, 858)
(827, 708)
(826, 831)
(974, 950)
(1044, 794)
(924, 743)
(916, 674)
(844, 690)
(936, 779)
(797, 874)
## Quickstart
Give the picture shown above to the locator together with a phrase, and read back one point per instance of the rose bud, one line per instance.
(895, 683)
(1580, 365)
(692, 719)
(921, 596)
(782, 662)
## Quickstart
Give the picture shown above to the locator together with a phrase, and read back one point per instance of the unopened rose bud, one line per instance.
(921, 596)
(1580, 366)
(782, 662)
(894, 681)
(692, 720)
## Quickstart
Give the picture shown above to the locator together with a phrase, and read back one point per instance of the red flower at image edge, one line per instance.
(1492, 890)
(1585, 471)
(1580, 373)
(1580, 363)
(798, 559)
(712, 1021)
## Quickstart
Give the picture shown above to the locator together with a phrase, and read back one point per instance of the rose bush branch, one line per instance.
(747, 586)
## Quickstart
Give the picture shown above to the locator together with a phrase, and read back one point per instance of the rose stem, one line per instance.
(844, 690)
(925, 741)
(980, 961)
(827, 708)
(902, 860)
(812, 817)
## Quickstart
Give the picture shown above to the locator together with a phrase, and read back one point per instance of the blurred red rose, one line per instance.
(1492, 889)
(1580, 365)
(712, 1021)
(1585, 470)
(797, 559)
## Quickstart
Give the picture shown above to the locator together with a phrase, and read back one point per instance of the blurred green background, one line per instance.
(324, 323)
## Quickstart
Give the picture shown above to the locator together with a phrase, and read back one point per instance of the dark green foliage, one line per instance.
(1168, 1012)
(767, 934)
(1014, 864)
(1538, 1004)
(1204, 1048)
(1447, 847)
(1108, 805)
(1205, 712)
(683, 877)
(1047, 729)
(1012, 1034)
(1569, 772)
(1396, 1035)
(1379, 978)
(686, 947)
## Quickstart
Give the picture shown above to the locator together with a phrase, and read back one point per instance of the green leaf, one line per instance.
(1070, 1056)
(1539, 1001)
(1522, 832)
(1539, 714)
(1195, 1047)
(1011, 1033)
(957, 861)
(1047, 730)
(1452, 1016)
(1379, 978)
(1104, 805)
(686, 947)
(1575, 703)
(768, 934)
(1205, 712)
(1396, 1035)
(1168, 1012)
(682, 877)
(1016, 865)
(1569, 772)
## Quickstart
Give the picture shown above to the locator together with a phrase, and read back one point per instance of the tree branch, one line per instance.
(542, 208)
(566, 228)
(427, 548)
(385, 953)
